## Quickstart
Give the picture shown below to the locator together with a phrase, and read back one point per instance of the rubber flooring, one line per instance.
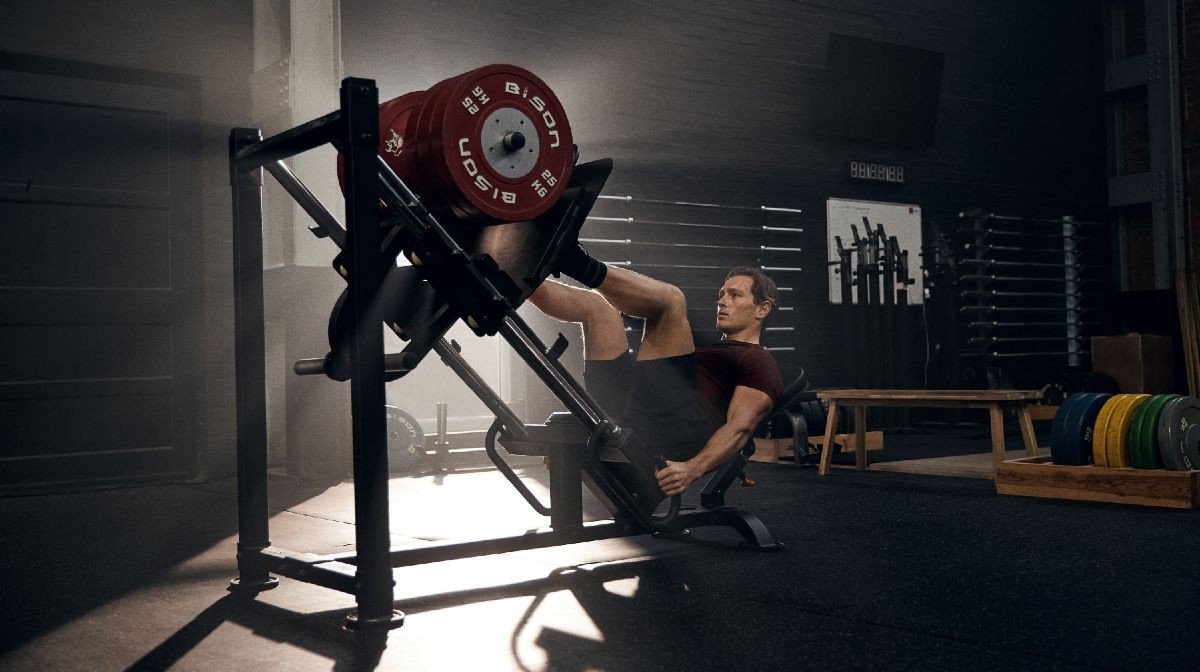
(880, 571)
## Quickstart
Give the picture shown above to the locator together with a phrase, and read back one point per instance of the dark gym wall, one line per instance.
(1190, 83)
(718, 102)
(208, 47)
(694, 101)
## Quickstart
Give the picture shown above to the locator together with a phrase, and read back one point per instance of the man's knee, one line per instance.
(668, 332)
(674, 303)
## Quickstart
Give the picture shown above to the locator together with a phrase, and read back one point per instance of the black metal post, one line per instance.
(846, 267)
(373, 580)
(250, 367)
(874, 351)
(557, 380)
(862, 311)
(291, 142)
(566, 495)
(453, 359)
(306, 199)
(903, 377)
(889, 342)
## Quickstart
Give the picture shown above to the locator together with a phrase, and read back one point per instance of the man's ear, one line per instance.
(763, 309)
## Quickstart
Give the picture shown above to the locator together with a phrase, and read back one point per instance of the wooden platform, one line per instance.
(973, 465)
(1038, 477)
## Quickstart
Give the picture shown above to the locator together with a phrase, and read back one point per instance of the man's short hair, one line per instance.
(761, 286)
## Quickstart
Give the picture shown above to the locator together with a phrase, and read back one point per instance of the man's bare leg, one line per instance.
(662, 306)
(603, 327)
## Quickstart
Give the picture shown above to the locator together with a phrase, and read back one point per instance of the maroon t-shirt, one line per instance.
(727, 364)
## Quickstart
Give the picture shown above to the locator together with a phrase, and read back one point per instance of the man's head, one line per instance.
(744, 301)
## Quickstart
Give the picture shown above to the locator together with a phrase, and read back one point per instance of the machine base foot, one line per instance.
(393, 620)
(244, 587)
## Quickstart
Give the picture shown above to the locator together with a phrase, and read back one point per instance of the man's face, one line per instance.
(736, 309)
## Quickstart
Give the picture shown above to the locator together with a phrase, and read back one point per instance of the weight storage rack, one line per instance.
(475, 276)
(1039, 477)
(1028, 290)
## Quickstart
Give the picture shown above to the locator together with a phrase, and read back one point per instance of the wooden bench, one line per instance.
(995, 401)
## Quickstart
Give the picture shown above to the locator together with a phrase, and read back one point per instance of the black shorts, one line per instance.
(655, 398)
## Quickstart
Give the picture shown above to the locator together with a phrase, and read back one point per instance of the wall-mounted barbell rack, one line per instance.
(1028, 291)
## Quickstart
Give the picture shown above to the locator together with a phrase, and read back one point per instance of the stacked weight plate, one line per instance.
(1143, 433)
(405, 440)
(393, 145)
(1073, 430)
(1110, 449)
(489, 145)
(1127, 430)
(1179, 434)
(814, 417)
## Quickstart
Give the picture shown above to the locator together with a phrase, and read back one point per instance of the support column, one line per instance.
(373, 578)
(253, 531)
(298, 69)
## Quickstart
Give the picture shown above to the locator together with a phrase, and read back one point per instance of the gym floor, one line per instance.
(881, 571)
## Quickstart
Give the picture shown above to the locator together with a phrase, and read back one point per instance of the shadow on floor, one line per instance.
(65, 555)
(628, 639)
(320, 633)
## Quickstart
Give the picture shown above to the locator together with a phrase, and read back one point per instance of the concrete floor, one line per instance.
(882, 571)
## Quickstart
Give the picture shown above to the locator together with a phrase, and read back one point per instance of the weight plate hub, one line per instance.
(1179, 434)
(512, 151)
(495, 144)
(405, 440)
(1054, 394)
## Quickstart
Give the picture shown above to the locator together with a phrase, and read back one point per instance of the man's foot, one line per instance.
(572, 259)
(578, 264)
(569, 257)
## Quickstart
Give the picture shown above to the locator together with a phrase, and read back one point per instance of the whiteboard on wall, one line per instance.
(902, 220)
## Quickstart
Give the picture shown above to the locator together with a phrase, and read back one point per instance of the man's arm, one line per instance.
(747, 408)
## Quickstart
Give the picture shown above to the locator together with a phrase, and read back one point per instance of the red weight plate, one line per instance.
(393, 124)
(536, 173)
(418, 181)
(453, 194)
(394, 143)
(469, 132)
(433, 185)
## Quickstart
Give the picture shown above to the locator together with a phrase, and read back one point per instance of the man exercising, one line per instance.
(695, 407)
